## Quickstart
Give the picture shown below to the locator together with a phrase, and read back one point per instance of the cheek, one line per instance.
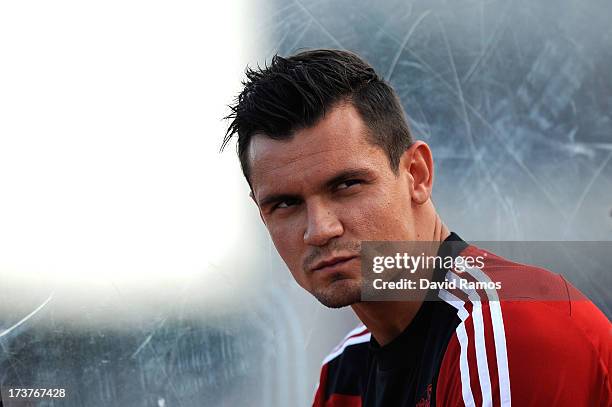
(289, 244)
(384, 215)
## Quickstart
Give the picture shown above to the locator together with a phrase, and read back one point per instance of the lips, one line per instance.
(332, 262)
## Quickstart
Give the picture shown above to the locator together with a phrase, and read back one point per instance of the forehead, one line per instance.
(338, 141)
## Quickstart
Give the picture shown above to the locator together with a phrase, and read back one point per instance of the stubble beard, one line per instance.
(339, 293)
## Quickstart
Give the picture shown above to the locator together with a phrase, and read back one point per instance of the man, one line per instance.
(325, 147)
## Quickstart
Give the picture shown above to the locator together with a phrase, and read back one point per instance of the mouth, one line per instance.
(333, 263)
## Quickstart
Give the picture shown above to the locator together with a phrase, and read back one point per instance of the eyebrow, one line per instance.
(330, 183)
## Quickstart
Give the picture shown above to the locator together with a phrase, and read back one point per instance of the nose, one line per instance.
(322, 224)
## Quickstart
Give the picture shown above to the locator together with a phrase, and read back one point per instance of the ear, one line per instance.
(258, 210)
(418, 164)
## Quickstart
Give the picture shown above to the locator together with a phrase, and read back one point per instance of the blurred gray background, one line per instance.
(514, 97)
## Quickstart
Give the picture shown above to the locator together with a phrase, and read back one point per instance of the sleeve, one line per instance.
(532, 354)
(342, 372)
(319, 398)
(335, 399)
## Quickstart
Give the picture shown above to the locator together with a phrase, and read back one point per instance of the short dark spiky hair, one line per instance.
(294, 93)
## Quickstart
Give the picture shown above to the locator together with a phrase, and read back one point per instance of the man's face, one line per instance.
(323, 192)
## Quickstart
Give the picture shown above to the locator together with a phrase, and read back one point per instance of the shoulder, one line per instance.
(356, 340)
(533, 338)
(538, 304)
(342, 371)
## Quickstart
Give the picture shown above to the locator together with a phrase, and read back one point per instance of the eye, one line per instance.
(287, 203)
(348, 183)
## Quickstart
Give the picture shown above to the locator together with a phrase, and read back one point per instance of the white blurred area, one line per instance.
(111, 182)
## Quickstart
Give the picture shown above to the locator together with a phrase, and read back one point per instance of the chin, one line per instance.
(339, 294)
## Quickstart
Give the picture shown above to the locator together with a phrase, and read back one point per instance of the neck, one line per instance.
(386, 320)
